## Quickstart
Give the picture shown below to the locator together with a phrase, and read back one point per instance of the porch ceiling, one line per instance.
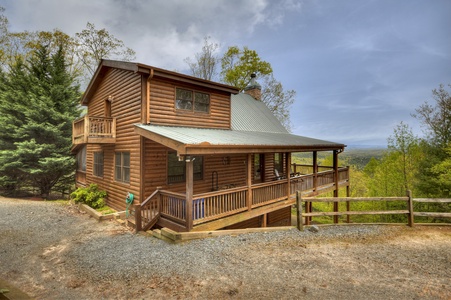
(191, 141)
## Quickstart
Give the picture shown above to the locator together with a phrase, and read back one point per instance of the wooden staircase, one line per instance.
(147, 213)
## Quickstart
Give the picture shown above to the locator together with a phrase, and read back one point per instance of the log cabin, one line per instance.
(195, 154)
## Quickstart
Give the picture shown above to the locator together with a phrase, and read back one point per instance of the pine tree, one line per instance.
(13, 103)
(38, 103)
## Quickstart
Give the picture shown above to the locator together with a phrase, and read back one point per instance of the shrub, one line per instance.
(90, 196)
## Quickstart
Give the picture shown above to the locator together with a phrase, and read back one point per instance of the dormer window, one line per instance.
(192, 100)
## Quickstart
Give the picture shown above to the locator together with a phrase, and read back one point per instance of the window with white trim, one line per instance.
(122, 167)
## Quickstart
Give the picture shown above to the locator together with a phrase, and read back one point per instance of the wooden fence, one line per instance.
(409, 211)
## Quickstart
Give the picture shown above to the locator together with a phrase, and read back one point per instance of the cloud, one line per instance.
(161, 32)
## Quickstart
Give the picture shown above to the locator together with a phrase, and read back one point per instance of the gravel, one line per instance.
(52, 251)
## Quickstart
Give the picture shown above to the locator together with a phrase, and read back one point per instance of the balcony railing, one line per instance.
(94, 130)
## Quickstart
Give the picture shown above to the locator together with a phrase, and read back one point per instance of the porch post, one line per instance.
(336, 183)
(308, 205)
(189, 192)
(288, 175)
(315, 170)
(348, 205)
(249, 182)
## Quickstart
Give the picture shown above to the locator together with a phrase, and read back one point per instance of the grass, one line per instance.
(106, 210)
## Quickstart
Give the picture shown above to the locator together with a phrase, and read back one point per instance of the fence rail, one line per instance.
(409, 211)
(432, 214)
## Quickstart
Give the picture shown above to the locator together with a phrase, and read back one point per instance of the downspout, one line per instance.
(147, 117)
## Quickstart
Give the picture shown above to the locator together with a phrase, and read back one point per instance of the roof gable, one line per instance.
(151, 71)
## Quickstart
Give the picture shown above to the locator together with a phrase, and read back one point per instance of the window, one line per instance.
(122, 167)
(81, 160)
(192, 100)
(278, 162)
(259, 167)
(201, 102)
(98, 164)
(177, 169)
(184, 99)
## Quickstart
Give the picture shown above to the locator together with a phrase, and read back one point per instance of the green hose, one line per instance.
(129, 201)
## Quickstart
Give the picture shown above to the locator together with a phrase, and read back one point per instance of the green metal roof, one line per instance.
(249, 114)
(222, 137)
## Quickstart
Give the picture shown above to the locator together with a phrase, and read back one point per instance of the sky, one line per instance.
(359, 67)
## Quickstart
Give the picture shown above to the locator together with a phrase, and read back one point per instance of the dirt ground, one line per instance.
(52, 251)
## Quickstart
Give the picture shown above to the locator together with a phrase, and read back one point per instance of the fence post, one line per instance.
(411, 220)
(138, 222)
(348, 205)
(299, 224)
(308, 209)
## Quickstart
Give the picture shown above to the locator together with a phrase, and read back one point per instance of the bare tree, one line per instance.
(94, 45)
(205, 63)
(278, 100)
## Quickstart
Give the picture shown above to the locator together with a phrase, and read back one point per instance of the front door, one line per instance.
(108, 108)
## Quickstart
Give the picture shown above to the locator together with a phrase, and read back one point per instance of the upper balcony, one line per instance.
(99, 130)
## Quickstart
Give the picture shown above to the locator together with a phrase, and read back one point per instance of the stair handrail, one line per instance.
(150, 197)
(138, 213)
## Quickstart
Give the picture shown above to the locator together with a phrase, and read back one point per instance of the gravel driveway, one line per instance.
(52, 251)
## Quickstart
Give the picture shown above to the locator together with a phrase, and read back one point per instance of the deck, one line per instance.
(215, 210)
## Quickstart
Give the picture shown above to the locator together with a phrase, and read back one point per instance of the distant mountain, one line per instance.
(360, 155)
(348, 147)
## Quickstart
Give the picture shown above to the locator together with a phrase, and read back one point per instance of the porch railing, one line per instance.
(100, 129)
(265, 193)
(173, 206)
(215, 205)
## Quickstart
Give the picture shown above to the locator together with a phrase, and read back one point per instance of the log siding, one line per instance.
(124, 88)
(162, 110)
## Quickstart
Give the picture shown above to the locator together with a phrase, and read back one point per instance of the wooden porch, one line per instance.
(90, 129)
(215, 210)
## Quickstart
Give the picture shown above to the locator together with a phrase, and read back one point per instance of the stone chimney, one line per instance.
(253, 88)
